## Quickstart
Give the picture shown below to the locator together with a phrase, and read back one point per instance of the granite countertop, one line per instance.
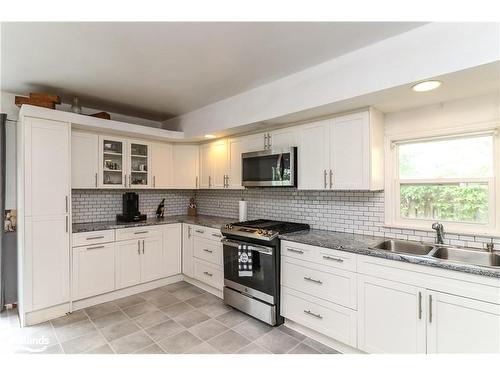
(363, 245)
(203, 220)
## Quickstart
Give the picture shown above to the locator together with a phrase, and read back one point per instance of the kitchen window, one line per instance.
(451, 179)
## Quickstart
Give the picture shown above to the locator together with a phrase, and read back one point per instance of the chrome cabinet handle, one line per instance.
(308, 312)
(95, 247)
(419, 305)
(66, 202)
(199, 231)
(94, 238)
(129, 183)
(430, 308)
(307, 278)
(216, 235)
(295, 251)
(324, 177)
(154, 181)
(189, 232)
(139, 247)
(209, 181)
(125, 180)
(265, 141)
(208, 251)
(143, 232)
(269, 144)
(143, 246)
(340, 260)
(208, 273)
(331, 179)
(196, 182)
(96, 180)
(67, 225)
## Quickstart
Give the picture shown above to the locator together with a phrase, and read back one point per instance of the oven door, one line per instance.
(262, 283)
(269, 168)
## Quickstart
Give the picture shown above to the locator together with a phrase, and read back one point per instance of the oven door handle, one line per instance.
(252, 247)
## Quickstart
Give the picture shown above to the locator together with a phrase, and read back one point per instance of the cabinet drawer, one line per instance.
(207, 273)
(137, 232)
(208, 250)
(335, 285)
(328, 257)
(93, 270)
(332, 320)
(207, 233)
(92, 238)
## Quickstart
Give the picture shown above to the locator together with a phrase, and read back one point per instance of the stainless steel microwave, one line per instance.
(276, 167)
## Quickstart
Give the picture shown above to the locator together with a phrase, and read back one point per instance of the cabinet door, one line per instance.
(47, 173)
(187, 250)
(220, 164)
(206, 166)
(314, 156)
(185, 166)
(236, 147)
(284, 137)
(93, 270)
(84, 160)
(112, 162)
(152, 261)
(161, 165)
(46, 262)
(128, 263)
(139, 163)
(461, 325)
(172, 249)
(350, 152)
(390, 317)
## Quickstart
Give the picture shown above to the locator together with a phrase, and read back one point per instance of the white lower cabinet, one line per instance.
(172, 249)
(391, 317)
(93, 270)
(152, 260)
(187, 250)
(128, 265)
(208, 273)
(461, 325)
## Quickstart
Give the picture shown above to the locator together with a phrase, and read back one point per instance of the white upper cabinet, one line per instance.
(47, 168)
(281, 138)
(214, 165)
(84, 160)
(185, 166)
(112, 162)
(139, 163)
(161, 165)
(344, 153)
(461, 325)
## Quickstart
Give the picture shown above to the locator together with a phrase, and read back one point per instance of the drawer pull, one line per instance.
(143, 232)
(307, 278)
(308, 312)
(294, 251)
(208, 273)
(95, 247)
(340, 260)
(208, 251)
(217, 235)
(199, 231)
(94, 238)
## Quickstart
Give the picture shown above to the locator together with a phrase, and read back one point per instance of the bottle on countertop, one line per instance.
(160, 211)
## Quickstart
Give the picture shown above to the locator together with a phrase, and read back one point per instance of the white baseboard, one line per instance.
(43, 315)
(328, 341)
(210, 289)
(116, 294)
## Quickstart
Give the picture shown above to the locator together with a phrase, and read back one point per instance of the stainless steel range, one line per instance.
(255, 290)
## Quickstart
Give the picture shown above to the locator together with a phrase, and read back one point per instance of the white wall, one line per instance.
(452, 114)
(431, 50)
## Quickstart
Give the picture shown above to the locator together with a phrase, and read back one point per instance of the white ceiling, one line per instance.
(161, 70)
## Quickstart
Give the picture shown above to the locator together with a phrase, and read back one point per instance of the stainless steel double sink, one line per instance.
(443, 252)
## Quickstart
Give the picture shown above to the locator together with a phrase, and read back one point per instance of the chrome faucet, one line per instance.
(438, 227)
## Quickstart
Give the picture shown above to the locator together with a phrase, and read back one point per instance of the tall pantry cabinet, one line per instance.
(44, 200)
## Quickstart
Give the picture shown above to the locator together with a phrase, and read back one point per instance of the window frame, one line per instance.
(393, 216)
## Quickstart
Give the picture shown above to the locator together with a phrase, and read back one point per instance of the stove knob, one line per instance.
(229, 226)
(260, 231)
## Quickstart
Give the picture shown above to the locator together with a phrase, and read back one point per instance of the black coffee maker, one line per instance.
(130, 209)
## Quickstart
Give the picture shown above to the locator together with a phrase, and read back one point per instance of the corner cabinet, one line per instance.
(44, 200)
(343, 153)
(214, 165)
(185, 166)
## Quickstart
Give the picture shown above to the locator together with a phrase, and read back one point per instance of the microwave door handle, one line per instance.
(278, 167)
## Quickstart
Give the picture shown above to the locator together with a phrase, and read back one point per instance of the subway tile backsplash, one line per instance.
(360, 212)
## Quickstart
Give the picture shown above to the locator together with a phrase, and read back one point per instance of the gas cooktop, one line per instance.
(262, 229)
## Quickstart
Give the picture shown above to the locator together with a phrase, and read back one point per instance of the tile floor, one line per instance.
(177, 318)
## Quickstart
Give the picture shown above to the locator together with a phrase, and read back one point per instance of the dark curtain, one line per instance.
(3, 119)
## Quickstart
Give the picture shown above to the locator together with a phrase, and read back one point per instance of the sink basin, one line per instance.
(479, 258)
(404, 247)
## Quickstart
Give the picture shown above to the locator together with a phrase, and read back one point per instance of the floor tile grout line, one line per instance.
(100, 333)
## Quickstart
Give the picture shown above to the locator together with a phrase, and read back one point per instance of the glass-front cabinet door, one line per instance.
(112, 170)
(139, 164)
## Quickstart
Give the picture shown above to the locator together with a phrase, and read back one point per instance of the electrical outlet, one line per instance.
(219, 204)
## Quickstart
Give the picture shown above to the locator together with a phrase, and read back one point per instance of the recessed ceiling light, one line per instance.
(426, 86)
(210, 136)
